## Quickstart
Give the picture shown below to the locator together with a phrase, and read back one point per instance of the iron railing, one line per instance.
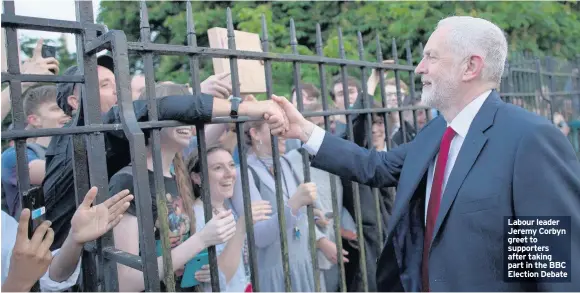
(522, 84)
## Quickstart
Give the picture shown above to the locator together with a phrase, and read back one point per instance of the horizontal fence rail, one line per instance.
(547, 86)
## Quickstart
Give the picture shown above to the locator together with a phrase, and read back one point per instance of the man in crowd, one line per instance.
(463, 174)
(58, 184)
(42, 112)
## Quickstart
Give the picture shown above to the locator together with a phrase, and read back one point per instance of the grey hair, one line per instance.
(470, 35)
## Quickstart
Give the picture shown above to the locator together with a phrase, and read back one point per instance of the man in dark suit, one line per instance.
(478, 162)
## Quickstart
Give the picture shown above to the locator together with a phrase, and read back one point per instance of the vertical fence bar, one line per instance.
(333, 178)
(92, 270)
(402, 125)
(18, 117)
(202, 146)
(92, 116)
(368, 102)
(386, 123)
(549, 63)
(155, 145)
(305, 160)
(518, 78)
(525, 84)
(276, 158)
(383, 93)
(509, 82)
(411, 83)
(147, 247)
(349, 132)
(540, 86)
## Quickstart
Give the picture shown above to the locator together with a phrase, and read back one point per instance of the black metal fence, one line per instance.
(522, 84)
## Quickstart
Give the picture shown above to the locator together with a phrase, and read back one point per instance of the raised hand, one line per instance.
(91, 222)
(39, 65)
(220, 229)
(30, 257)
(217, 85)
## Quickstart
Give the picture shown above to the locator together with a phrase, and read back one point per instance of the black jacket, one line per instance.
(58, 184)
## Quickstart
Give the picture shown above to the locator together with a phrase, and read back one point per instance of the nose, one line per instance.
(420, 69)
(230, 172)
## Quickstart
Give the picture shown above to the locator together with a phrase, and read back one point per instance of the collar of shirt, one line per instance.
(463, 120)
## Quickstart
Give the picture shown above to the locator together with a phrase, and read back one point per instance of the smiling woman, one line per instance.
(184, 241)
(222, 176)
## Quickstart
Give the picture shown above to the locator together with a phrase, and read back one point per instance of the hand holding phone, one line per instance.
(195, 264)
(33, 200)
(31, 256)
(49, 52)
(41, 61)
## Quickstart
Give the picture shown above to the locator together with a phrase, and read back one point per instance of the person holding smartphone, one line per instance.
(222, 176)
(26, 260)
(186, 241)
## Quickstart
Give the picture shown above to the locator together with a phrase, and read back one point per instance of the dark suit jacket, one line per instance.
(370, 218)
(512, 163)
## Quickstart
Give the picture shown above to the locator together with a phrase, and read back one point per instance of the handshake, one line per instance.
(282, 117)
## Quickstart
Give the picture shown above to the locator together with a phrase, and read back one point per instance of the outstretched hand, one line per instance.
(298, 126)
(91, 222)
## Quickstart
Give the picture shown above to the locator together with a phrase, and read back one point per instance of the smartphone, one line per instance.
(33, 200)
(47, 52)
(188, 280)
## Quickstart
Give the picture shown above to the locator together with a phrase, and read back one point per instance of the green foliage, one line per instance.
(542, 28)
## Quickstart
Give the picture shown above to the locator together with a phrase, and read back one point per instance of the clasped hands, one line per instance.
(285, 120)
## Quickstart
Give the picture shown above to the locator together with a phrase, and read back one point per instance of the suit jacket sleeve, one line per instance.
(352, 162)
(187, 109)
(547, 183)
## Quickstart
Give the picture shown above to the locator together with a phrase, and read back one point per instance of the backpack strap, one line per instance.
(39, 150)
(256, 178)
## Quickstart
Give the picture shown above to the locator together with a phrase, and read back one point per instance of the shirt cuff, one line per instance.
(48, 285)
(315, 141)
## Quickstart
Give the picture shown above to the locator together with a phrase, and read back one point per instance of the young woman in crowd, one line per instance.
(222, 175)
(267, 234)
(185, 242)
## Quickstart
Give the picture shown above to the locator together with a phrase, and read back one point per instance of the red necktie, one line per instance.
(434, 201)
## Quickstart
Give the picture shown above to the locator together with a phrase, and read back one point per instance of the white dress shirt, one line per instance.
(460, 125)
(9, 231)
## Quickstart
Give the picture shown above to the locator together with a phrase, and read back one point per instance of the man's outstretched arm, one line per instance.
(341, 157)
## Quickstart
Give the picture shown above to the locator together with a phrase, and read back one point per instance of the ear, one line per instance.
(73, 101)
(33, 120)
(195, 178)
(474, 68)
(253, 133)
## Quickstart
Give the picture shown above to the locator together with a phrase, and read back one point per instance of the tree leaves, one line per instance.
(544, 28)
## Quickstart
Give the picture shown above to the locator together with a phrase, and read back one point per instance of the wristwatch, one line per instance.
(235, 101)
